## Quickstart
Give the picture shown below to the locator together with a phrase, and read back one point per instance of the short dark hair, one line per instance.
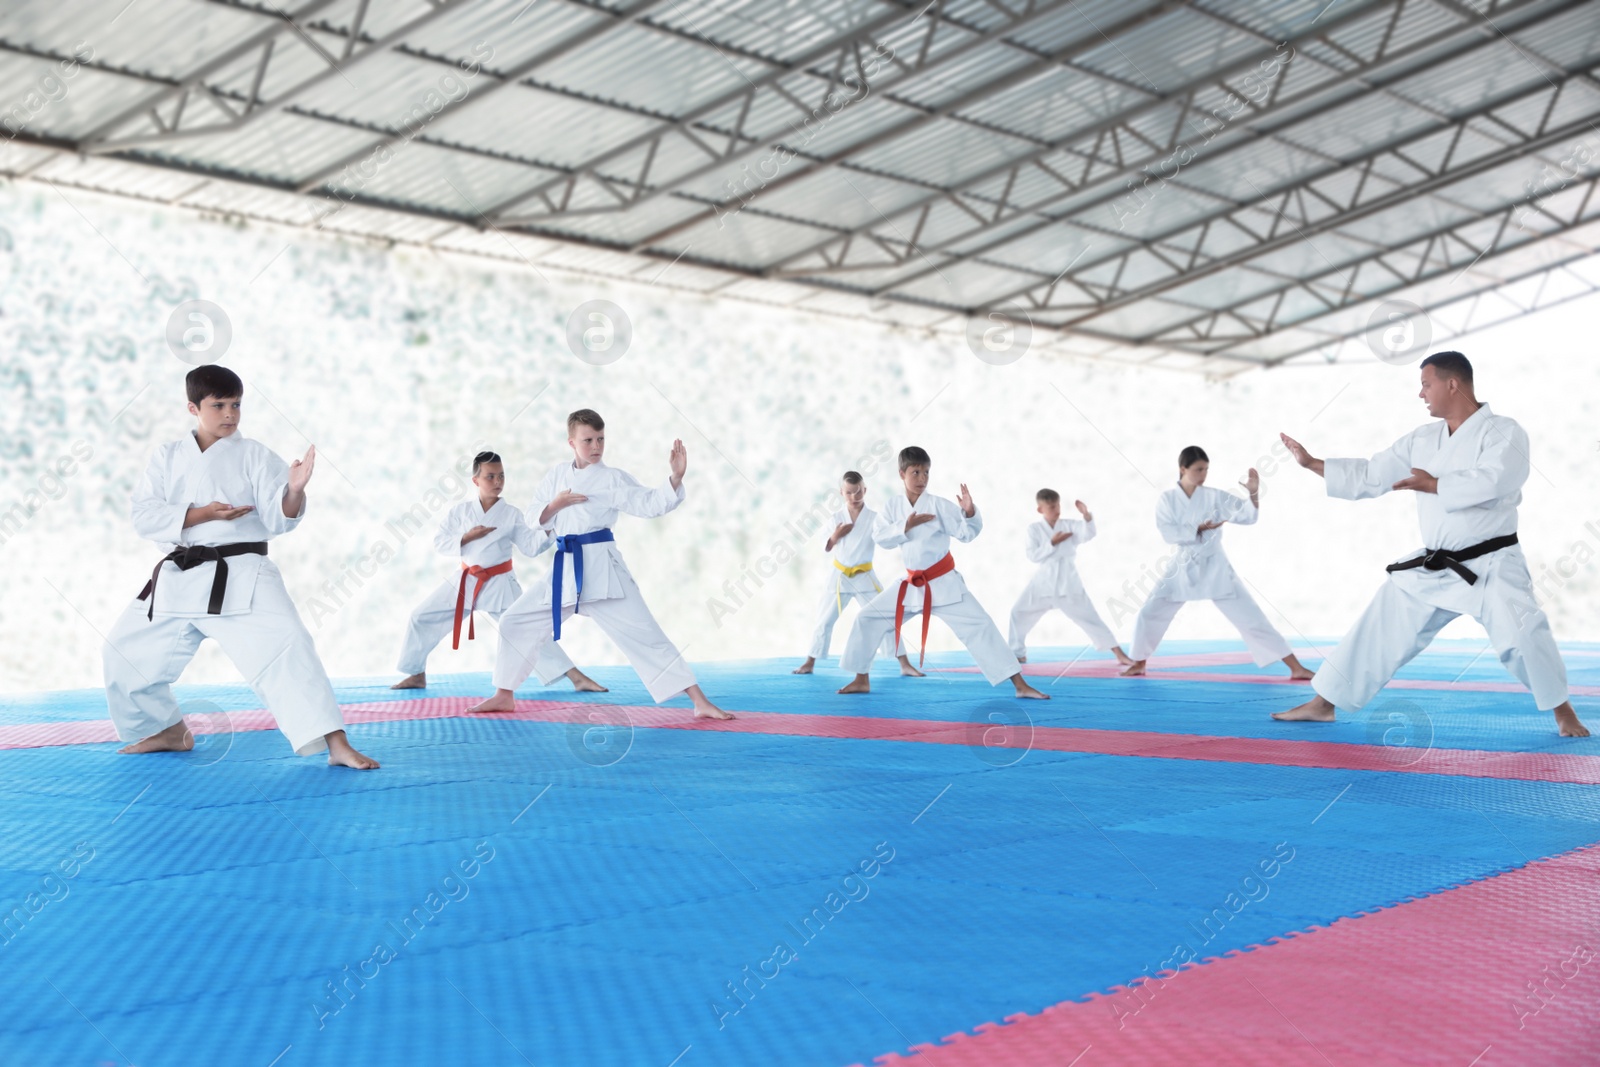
(912, 456)
(585, 417)
(484, 457)
(1450, 365)
(1047, 496)
(212, 380)
(1192, 455)
(852, 478)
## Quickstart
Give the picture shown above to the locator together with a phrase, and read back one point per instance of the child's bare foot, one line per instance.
(703, 708)
(907, 670)
(1022, 659)
(175, 738)
(805, 668)
(862, 684)
(1298, 672)
(582, 683)
(1566, 721)
(1122, 657)
(342, 754)
(1134, 669)
(1314, 710)
(1026, 691)
(503, 700)
(415, 681)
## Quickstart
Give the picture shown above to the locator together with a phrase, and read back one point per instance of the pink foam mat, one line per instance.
(1498, 972)
(1170, 670)
(1286, 752)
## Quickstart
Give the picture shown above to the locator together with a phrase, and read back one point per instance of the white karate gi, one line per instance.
(435, 617)
(610, 595)
(853, 550)
(258, 629)
(1056, 586)
(926, 545)
(1481, 469)
(1199, 570)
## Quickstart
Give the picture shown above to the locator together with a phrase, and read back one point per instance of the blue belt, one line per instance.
(570, 543)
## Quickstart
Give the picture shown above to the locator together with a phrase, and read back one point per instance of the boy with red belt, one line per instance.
(482, 532)
(921, 526)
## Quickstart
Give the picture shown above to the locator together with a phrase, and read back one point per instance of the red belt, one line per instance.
(483, 574)
(923, 579)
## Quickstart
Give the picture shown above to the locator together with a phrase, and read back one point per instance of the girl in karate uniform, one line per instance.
(1191, 516)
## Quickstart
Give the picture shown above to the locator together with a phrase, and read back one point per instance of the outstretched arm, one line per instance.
(1359, 479)
(627, 495)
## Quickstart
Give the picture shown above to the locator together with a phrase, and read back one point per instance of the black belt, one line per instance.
(188, 557)
(1437, 559)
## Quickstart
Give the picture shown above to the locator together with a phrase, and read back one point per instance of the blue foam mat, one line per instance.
(213, 900)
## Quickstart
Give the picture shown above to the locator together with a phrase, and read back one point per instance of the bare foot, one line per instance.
(1026, 691)
(1314, 710)
(1566, 721)
(415, 681)
(805, 668)
(862, 684)
(582, 683)
(907, 670)
(1022, 659)
(342, 754)
(175, 738)
(1134, 669)
(1122, 657)
(703, 708)
(1298, 672)
(503, 700)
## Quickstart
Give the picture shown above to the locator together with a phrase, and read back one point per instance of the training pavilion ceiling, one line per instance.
(1202, 184)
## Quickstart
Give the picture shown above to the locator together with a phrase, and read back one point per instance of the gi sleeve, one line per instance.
(154, 518)
(269, 480)
(531, 539)
(1363, 479)
(1239, 510)
(889, 531)
(448, 540)
(627, 495)
(956, 523)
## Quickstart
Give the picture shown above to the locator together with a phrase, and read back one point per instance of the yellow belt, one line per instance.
(850, 572)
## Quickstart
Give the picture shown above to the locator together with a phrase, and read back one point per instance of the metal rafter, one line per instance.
(557, 193)
(944, 112)
(619, 19)
(1107, 153)
(1110, 187)
(1367, 185)
(1498, 292)
(261, 39)
(240, 114)
(1443, 251)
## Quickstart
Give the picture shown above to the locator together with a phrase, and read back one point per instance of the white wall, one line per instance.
(398, 364)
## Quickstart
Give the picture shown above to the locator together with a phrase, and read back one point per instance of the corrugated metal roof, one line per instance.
(1120, 163)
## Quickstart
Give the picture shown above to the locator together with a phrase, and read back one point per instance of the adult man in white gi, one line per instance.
(1467, 471)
